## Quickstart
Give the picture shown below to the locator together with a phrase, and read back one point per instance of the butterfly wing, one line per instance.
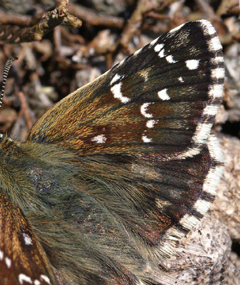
(22, 260)
(148, 167)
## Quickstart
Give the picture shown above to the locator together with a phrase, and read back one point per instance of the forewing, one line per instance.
(162, 99)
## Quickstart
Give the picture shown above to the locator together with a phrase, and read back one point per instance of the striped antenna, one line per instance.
(5, 74)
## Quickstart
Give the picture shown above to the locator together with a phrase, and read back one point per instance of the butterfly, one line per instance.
(113, 175)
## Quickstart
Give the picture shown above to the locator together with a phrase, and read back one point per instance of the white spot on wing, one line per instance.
(143, 110)
(99, 139)
(1, 255)
(170, 59)
(163, 95)
(8, 262)
(116, 90)
(180, 79)
(45, 278)
(23, 277)
(27, 239)
(192, 63)
(150, 124)
(146, 139)
(115, 78)
(161, 53)
(36, 282)
(158, 47)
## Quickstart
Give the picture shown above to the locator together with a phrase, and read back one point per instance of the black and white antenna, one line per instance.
(5, 74)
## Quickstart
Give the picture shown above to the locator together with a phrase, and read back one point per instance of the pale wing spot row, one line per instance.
(192, 64)
(163, 95)
(8, 262)
(1, 255)
(146, 139)
(116, 90)
(158, 47)
(161, 53)
(150, 123)
(45, 278)
(170, 59)
(143, 110)
(22, 277)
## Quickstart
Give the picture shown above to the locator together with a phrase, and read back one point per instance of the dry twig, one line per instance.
(15, 34)
(93, 18)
